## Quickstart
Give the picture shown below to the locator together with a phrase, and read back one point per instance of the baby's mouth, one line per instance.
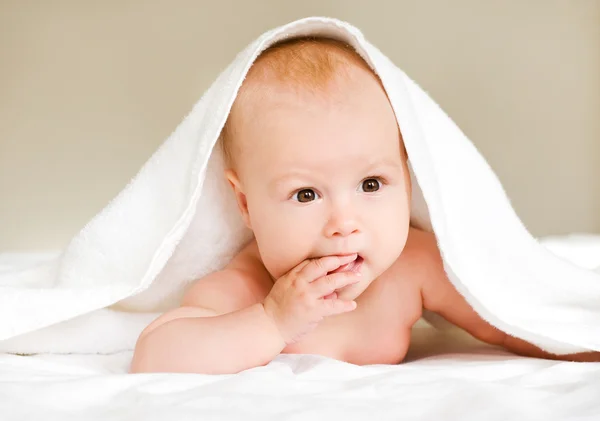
(353, 266)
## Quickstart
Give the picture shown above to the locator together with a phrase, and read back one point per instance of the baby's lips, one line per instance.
(344, 260)
(346, 266)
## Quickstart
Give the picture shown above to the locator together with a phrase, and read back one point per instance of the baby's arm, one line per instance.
(440, 296)
(238, 329)
(229, 335)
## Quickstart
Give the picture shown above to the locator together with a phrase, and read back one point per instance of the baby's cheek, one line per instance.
(393, 235)
(281, 250)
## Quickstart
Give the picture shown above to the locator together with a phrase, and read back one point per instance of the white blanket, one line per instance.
(177, 221)
(475, 383)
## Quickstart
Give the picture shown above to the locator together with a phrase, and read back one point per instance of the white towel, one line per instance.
(177, 221)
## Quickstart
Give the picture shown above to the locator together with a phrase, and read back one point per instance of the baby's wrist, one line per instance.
(273, 325)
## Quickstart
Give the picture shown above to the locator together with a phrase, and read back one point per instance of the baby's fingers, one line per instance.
(335, 306)
(327, 284)
(322, 266)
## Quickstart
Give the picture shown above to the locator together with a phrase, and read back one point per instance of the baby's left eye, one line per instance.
(371, 185)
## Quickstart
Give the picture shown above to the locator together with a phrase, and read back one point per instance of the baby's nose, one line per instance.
(341, 225)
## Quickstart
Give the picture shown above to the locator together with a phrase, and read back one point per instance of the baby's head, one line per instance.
(316, 160)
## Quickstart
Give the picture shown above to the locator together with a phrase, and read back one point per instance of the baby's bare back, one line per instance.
(377, 331)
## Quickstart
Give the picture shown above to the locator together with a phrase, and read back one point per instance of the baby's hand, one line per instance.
(305, 295)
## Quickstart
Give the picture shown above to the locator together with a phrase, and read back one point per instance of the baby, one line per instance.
(317, 163)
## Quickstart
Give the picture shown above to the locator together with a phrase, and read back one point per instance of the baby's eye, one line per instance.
(371, 185)
(305, 195)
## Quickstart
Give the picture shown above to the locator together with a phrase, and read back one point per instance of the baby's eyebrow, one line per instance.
(382, 163)
(278, 181)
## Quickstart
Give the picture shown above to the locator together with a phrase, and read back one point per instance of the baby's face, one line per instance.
(325, 176)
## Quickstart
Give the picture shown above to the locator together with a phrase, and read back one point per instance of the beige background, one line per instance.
(88, 90)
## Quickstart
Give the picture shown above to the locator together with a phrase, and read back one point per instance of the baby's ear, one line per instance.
(240, 196)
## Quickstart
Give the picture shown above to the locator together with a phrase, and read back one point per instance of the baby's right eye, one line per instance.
(305, 195)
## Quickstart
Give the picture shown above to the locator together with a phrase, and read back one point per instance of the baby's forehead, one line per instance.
(320, 148)
(299, 128)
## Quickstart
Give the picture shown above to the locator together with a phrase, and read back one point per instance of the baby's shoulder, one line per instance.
(421, 244)
(240, 284)
(421, 257)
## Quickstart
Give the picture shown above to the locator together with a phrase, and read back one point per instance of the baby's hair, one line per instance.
(307, 63)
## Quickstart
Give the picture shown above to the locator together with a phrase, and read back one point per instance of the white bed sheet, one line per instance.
(447, 376)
